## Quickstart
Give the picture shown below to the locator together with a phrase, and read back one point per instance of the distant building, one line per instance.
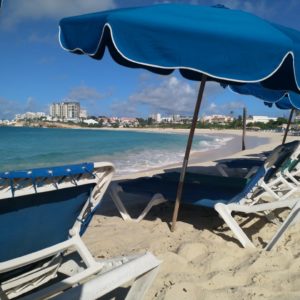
(90, 122)
(128, 122)
(30, 116)
(167, 119)
(6, 122)
(260, 119)
(65, 111)
(297, 118)
(156, 117)
(176, 118)
(218, 119)
(83, 114)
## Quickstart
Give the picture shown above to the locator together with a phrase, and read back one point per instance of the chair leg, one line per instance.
(292, 178)
(288, 221)
(221, 169)
(156, 200)
(225, 213)
(114, 193)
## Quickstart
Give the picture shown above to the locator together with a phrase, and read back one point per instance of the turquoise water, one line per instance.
(130, 151)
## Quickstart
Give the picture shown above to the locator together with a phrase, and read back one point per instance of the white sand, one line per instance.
(202, 259)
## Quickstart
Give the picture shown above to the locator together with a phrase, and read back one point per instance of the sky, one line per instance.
(36, 71)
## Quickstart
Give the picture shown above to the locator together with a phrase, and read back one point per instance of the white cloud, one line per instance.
(42, 38)
(233, 106)
(212, 107)
(9, 108)
(30, 104)
(20, 10)
(85, 93)
(124, 109)
(89, 97)
(167, 95)
(171, 95)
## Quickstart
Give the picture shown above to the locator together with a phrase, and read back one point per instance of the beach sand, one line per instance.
(202, 259)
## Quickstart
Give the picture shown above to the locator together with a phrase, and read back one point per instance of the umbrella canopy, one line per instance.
(282, 99)
(227, 45)
(203, 43)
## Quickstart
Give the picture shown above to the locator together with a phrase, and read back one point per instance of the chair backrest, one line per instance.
(32, 222)
(252, 184)
(281, 158)
(267, 171)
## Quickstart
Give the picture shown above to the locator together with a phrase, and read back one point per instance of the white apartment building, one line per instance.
(83, 114)
(261, 119)
(156, 117)
(66, 111)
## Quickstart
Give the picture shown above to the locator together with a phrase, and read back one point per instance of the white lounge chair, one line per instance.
(199, 186)
(43, 213)
(252, 204)
(247, 199)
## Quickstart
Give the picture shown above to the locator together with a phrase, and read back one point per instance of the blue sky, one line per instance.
(35, 71)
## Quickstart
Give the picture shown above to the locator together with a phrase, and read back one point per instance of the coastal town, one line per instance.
(70, 113)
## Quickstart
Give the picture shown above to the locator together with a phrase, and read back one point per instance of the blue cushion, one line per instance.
(31, 223)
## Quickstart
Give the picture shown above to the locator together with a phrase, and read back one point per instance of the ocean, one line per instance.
(130, 151)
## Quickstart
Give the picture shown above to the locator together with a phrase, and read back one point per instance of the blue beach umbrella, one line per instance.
(203, 43)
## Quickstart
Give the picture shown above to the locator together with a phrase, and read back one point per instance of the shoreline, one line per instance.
(232, 147)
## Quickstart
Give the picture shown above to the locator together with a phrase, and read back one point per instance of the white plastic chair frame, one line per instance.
(99, 277)
(105, 276)
(225, 211)
(223, 170)
(293, 174)
(115, 191)
(251, 204)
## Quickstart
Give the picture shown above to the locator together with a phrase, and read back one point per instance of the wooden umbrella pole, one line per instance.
(288, 126)
(244, 127)
(187, 151)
